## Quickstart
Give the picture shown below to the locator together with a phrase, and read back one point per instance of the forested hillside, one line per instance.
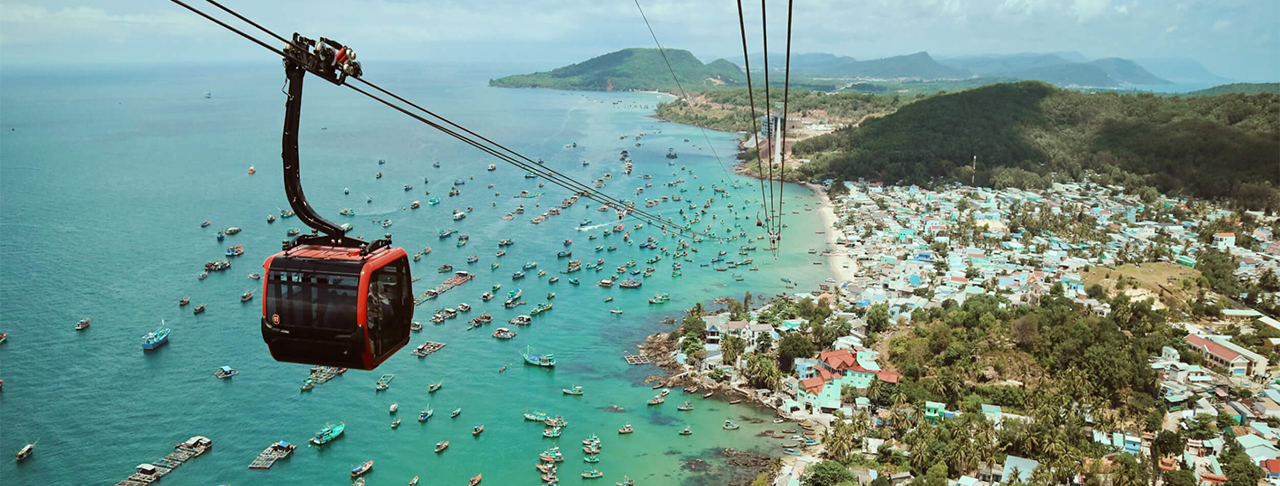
(632, 69)
(1029, 133)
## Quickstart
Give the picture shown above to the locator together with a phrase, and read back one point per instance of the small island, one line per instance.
(635, 69)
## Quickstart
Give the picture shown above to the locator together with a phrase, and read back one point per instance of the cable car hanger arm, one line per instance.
(332, 62)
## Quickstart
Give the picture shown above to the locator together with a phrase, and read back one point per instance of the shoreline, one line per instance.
(842, 267)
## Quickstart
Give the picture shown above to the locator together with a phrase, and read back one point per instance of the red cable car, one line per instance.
(329, 299)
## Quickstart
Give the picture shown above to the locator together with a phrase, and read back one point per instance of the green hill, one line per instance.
(1029, 133)
(1242, 88)
(632, 69)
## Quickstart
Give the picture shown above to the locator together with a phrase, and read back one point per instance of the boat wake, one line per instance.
(594, 226)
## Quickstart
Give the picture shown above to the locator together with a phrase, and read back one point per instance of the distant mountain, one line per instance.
(919, 65)
(1180, 70)
(1072, 56)
(632, 69)
(1001, 65)
(1063, 69)
(1244, 88)
(1127, 72)
(800, 63)
(1070, 74)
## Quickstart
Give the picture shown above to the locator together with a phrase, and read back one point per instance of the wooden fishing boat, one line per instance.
(441, 446)
(626, 429)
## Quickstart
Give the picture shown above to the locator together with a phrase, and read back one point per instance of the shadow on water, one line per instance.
(724, 467)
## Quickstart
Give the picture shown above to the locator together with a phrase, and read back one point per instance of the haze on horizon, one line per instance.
(1236, 39)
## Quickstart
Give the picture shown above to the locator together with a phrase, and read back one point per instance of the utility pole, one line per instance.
(973, 176)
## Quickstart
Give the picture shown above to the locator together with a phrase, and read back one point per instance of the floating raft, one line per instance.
(150, 473)
(459, 278)
(427, 348)
(275, 452)
(322, 374)
(636, 359)
(384, 381)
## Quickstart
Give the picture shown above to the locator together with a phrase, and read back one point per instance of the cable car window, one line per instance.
(313, 298)
(387, 315)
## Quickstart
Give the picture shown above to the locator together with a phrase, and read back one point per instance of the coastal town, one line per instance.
(1076, 334)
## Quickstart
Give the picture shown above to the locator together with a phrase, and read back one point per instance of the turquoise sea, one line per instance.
(107, 172)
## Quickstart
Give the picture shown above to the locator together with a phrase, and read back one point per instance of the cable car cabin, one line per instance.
(333, 306)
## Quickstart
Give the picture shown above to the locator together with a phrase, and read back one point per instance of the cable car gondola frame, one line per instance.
(330, 299)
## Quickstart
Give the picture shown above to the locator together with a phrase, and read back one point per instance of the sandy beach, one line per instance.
(843, 267)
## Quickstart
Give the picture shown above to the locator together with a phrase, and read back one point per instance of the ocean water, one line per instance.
(107, 172)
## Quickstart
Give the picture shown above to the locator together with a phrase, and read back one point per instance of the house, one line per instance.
(1219, 355)
(1257, 448)
(1020, 467)
(715, 328)
(1272, 468)
(1223, 241)
(1239, 315)
(1257, 363)
(933, 411)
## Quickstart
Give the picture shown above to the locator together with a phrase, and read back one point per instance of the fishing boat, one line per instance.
(395, 407)
(442, 445)
(553, 280)
(455, 413)
(361, 469)
(591, 458)
(729, 425)
(564, 254)
(424, 415)
(445, 268)
(225, 372)
(82, 324)
(686, 407)
(414, 481)
(473, 258)
(307, 384)
(517, 275)
(708, 394)
(735, 402)
(576, 390)
(615, 310)
(504, 333)
(184, 301)
(157, 338)
(435, 386)
(546, 360)
(592, 474)
(568, 242)
(486, 296)
(477, 430)
(474, 481)
(247, 296)
(328, 433)
(535, 416)
(573, 281)
(520, 320)
(686, 431)
(656, 400)
(198, 310)
(626, 429)
(25, 452)
(551, 432)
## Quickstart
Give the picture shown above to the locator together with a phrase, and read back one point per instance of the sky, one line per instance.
(1237, 39)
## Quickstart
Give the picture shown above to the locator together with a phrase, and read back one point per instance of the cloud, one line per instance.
(1122, 9)
(1087, 10)
(28, 24)
(1221, 25)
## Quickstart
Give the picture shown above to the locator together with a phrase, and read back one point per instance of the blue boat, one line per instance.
(459, 182)
(159, 337)
(547, 360)
(529, 175)
(564, 254)
(426, 414)
(473, 258)
(517, 275)
(220, 236)
(530, 265)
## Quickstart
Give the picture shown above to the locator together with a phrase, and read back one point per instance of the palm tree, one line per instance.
(899, 398)
(873, 391)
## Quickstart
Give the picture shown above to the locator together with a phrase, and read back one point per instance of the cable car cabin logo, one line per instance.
(333, 306)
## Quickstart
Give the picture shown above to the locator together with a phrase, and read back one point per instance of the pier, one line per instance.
(636, 359)
(275, 452)
(146, 474)
(427, 348)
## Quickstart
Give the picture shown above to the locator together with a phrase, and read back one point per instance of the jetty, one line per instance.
(146, 474)
(458, 278)
(427, 348)
(636, 359)
(275, 452)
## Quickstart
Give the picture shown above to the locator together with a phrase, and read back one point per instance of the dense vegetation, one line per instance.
(632, 69)
(1030, 133)
(1242, 88)
(730, 109)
